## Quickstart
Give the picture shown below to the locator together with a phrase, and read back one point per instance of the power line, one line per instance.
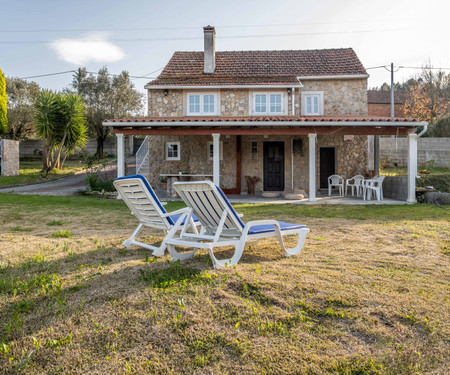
(405, 67)
(96, 73)
(197, 38)
(180, 27)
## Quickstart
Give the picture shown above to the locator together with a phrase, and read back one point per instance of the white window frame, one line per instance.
(178, 157)
(306, 94)
(208, 150)
(202, 96)
(284, 104)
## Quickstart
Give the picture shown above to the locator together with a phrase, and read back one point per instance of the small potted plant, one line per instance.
(163, 179)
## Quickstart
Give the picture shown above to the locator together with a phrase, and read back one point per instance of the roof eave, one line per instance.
(264, 123)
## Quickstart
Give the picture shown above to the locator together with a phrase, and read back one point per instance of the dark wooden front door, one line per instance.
(273, 166)
(326, 165)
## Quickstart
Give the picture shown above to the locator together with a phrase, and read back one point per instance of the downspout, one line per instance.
(423, 130)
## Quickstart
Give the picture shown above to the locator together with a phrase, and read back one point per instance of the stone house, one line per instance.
(290, 118)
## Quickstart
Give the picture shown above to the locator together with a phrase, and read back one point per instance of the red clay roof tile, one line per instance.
(287, 119)
(264, 67)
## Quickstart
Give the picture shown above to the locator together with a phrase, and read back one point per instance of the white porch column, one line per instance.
(216, 159)
(120, 155)
(312, 167)
(412, 167)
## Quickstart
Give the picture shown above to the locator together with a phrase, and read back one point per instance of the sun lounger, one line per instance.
(222, 226)
(145, 205)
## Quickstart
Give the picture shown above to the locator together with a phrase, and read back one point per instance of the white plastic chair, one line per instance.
(374, 185)
(145, 205)
(222, 226)
(355, 182)
(338, 181)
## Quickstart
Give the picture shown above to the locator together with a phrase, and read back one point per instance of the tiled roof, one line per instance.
(308, 120)
(384, 97)
(238, 67)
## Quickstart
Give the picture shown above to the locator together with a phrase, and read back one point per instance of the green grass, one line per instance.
(403, 171)
(368, 294)
(30, 171)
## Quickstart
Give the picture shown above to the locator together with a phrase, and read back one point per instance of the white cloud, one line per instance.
(92, 48)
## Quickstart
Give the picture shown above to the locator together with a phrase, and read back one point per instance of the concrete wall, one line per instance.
(9, 157)
(395, 187)
(396, 150)
(29, 149)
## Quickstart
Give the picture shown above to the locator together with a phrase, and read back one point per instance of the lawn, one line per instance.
(30, 171)
(367, 295)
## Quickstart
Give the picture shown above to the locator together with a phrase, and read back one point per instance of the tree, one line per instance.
(106, 97)
(60, 122)
(3, 107)
(21, 97)
(429, 99)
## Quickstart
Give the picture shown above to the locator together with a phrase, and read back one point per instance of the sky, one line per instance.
(46, 36)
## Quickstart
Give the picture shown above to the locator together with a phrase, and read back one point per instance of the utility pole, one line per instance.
(392, 90)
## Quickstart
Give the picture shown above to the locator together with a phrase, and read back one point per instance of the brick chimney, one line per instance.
(210, 49)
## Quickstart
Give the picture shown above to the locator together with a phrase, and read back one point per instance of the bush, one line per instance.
(440, 182)
(97, 184)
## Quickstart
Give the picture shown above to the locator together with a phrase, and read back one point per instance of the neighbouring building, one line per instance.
(291, 118)
(379, 103)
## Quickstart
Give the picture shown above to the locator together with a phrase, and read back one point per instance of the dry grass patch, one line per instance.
(367, 295)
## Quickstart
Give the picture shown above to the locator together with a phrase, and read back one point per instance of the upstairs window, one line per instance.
(202, 104)
(268, 103)
(312, 103)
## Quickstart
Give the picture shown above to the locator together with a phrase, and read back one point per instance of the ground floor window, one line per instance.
(172, 150)
(210, 150)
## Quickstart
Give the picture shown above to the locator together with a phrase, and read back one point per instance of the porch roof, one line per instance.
(255, 125)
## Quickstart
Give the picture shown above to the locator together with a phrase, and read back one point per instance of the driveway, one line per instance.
(70, 185)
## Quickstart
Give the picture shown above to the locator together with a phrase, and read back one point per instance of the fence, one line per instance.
(31, 148)
(396, 150)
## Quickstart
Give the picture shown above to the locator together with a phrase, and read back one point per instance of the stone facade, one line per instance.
(160, 104)
(351, 159)
(234, 102)
(193, 158)
(341, 98)
(9, 157)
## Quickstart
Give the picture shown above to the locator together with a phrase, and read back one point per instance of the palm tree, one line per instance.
(60, 122)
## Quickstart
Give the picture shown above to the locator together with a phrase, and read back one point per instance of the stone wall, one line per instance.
(396, 151)
(9, 157)
(351, 159)
(341, 97)
(234, 102)
(193, 158)
(160, 104)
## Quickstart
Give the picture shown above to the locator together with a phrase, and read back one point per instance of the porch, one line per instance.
(311, 130)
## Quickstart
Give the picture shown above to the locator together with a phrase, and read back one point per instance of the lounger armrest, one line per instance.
(260, 222)
(177, 212)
